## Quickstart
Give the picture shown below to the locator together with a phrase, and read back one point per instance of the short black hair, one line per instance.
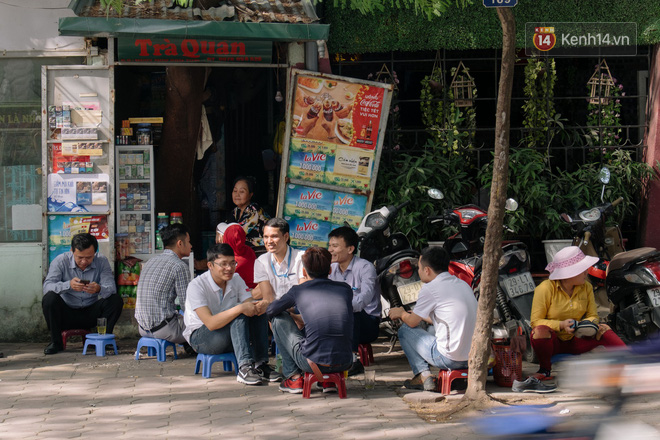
(249, 181)
(278, 223)
(316, 262)
(217, 250)
(349, 236)
(173, 233)
(83, 241)
(437, 258)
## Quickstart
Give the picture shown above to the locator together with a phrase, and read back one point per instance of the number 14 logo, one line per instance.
(544, 38)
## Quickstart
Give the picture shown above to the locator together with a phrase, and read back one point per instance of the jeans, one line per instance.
(365, 329)
(421, 350)
(247, 336)
(288, 338)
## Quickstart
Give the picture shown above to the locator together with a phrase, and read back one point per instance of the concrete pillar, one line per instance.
(650, 214)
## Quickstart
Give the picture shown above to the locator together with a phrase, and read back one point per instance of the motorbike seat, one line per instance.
(620, 260)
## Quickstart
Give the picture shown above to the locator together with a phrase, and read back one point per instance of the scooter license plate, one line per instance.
(517, 285)
(408, 292)
(654, 296)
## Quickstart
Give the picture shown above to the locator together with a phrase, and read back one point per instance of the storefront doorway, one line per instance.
(242, 120)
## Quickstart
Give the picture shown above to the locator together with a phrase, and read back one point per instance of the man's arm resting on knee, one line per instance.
(219, 320)
(408, 318)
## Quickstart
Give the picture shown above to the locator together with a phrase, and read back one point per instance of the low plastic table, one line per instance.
(100, 341)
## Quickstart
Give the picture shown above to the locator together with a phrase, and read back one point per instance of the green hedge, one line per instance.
(475, 27)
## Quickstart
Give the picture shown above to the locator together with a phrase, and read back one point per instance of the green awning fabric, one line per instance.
(142, 27)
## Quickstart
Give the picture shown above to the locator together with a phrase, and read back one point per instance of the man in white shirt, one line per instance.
(449, 304)
(360, 275)
(220, 313)
(280, 268)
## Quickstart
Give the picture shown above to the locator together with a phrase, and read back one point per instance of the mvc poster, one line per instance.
(334, 140)
(62, 227)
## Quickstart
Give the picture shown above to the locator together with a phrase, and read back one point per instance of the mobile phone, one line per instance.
(84, 281)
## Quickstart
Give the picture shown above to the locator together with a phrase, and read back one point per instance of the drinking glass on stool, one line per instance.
(101, 325)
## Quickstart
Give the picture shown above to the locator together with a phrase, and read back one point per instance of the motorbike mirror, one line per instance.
(567, 218)
(435, 193)
(604, 175)
(511, 205)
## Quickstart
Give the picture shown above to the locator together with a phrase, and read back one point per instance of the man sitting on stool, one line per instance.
(449, 304)
(361, 276)
(79, 289)
(164, 278)
(222, 316)
(325, 307)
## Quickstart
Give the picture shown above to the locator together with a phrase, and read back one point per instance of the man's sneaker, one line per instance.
(267, 374)
(327, 387)
(248, 375)
(293, 386)
(356, 368)
(532, 385)
(416, 383)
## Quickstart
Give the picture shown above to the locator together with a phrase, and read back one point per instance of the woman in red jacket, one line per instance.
(245, 257)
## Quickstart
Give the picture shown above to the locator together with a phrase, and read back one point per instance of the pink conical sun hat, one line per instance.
(569, 262)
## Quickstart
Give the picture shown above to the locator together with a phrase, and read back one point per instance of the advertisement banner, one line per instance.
(78, 192)
(332, 148)
(62, 227)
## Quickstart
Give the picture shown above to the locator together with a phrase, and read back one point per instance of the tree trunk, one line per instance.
(176, 154)
(478, 363)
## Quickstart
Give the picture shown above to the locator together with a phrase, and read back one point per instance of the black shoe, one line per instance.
(356, 368)
(248, 375)
(532, 385)
(52, 348)
(267, 374)
(189, 350)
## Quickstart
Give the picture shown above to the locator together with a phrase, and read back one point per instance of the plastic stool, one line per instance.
(155, 347)
(66, 334)
(446, 377)
(366, 353)
(336, 378)
(100, 341)
(207, 360)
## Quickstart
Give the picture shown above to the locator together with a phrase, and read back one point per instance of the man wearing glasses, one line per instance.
(221, 315)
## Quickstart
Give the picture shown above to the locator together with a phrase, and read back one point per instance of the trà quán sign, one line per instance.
(194, 50)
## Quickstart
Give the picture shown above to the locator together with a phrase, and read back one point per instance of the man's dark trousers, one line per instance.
(59, 316)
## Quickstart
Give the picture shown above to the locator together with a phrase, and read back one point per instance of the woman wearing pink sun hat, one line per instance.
(564, 317)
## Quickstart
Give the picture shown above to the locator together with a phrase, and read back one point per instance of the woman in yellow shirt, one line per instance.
(559, 304)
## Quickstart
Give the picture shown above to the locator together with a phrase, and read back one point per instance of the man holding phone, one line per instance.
(78, 289)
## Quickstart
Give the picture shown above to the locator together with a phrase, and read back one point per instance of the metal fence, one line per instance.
(569, 145)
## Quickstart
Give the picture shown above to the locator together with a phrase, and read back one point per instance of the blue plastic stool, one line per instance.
(155, 347)
(207, 360)
(99, 341)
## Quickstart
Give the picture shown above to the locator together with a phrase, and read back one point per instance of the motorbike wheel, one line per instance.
(530, 354)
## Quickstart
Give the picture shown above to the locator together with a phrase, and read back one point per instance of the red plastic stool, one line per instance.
(446, 377)
(66, 334)
(336, 378)
(366, 354)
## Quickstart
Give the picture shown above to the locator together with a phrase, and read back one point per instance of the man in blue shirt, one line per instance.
(325, 307)
(78, 289)
(361, 276)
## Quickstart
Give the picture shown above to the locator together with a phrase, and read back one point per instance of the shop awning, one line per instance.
(275, 20)
(136, 27)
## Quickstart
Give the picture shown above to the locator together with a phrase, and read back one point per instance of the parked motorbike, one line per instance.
(626, 284)
(515, 287)
(592, 235)
(396, 262)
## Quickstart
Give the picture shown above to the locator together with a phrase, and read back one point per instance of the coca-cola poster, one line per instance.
(332, 147)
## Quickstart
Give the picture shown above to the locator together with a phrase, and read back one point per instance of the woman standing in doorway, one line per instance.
(247, 213)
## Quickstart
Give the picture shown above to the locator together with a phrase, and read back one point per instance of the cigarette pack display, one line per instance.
(52, 119)
(58, 116)
(66, 116)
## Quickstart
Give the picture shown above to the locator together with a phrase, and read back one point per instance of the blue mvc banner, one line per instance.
(500, 3)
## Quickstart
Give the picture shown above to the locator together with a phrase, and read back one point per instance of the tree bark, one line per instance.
(176, 154)
(478, 363)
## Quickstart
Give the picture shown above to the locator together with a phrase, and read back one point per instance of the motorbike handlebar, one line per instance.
(587, 236)
(401, 205)
(617, 201)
